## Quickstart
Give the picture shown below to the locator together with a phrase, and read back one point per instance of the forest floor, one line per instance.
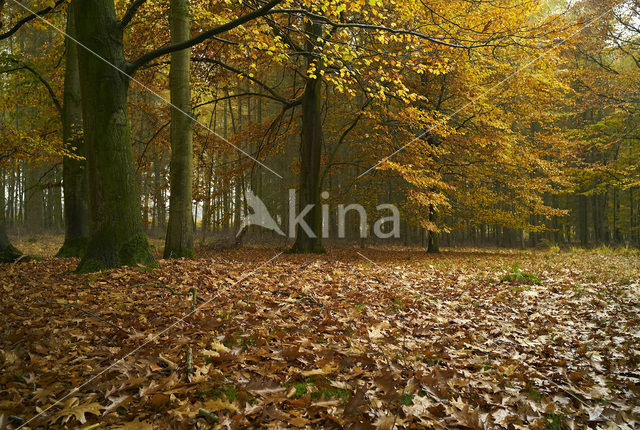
(373, 338)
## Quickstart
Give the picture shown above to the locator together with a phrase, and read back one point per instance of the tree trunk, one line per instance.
(179, 242)
(8, 253)
(116, 234)
(74, 174)
(310, 156)
(433, 244)
(158, 196)
(34, 199)
(583, 227)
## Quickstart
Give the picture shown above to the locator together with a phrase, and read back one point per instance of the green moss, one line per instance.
(135, 251)
(73, 248)
(331, 393)
(179, 253)
(407, 400)
(228, 391)
(90, 265)
(9, 254)
(317, 388)
(107, 254)
(301, 389)
(534, 394)
(554, 422)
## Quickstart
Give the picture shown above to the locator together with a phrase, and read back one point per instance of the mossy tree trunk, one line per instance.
(116, 235)
(310, 154)
(179, 240)
(8, 253)
(74, 174)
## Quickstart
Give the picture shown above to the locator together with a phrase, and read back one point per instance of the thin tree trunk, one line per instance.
(34, 199)
(433, 243)
(74, 174)
(116, 233)
(179, 242)
(158, 196)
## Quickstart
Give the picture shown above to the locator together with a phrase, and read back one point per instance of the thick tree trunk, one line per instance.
(310, 157)
(179, 242)
(116, 235)
(8, 253)
(74, 174)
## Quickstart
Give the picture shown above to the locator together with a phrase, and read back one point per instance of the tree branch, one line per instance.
(131, 11)
(275, 95)
(28, 18)
(41, 78)
(369, 27)
(152, 55)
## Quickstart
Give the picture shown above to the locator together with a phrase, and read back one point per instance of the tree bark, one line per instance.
(116, 235)
(583, 227)
(74, 174)
(310, 155)
(8, 253)
(179, 241)
(34, 199)
(433, 243)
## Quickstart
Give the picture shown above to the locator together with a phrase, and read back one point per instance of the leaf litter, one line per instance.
(392, 338)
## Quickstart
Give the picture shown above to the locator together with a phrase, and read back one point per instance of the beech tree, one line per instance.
(179, 241)
(116, 235)
(74, 182)
(8, 253)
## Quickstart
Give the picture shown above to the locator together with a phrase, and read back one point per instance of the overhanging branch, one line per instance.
(131, 11)
(28, 18)
(152, 55)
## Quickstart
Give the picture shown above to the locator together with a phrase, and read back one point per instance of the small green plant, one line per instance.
(534, 394)
(431, 361)
(551, 246)
(407, 400)
(554, 422)
(317, 388)
(603, 249)
(397, 305)
(228, 391)
(360, 307)
(517, 276)
(331, 393)
(301, 389)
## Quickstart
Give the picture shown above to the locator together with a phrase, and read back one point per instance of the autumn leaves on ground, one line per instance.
(375, 338)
